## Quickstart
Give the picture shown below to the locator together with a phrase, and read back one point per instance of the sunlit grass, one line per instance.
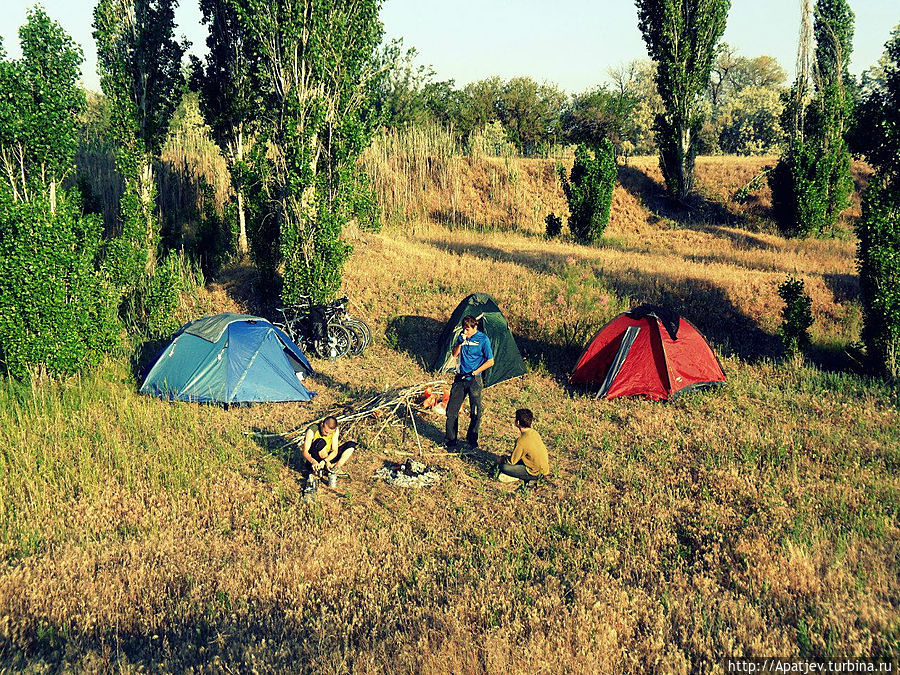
(759, 518)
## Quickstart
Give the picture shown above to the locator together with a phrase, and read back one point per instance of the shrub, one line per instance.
(879, 271)
(589, 191)
(799, 184)
(150, 311)
(554, 225)
(796, 315)
(57, 311)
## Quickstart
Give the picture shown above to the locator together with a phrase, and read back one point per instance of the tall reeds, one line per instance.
(428, 173)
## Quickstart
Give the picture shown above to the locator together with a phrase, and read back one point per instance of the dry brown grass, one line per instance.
(757, 519)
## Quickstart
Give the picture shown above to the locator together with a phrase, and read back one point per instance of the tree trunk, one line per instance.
(52, 196)
(686, 164)
(145, 187)
(243, 247)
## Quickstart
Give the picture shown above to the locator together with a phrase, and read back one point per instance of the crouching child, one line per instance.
(322, 448)
(529, 460)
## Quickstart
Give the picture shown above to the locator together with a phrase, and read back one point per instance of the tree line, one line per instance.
(742, 102)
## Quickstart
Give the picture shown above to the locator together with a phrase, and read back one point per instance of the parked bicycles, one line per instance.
(327, 331)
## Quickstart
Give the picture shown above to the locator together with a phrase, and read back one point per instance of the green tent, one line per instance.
(508, 362)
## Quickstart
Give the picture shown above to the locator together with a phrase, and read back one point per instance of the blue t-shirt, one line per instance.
(475, 351)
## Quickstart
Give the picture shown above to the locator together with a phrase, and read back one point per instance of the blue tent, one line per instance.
(229, 359)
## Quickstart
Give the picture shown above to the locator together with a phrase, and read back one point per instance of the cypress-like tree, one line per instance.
(318, 62)
(681, 37)
(139, 61)
(229, 96)
(878, 255)
(811, 184)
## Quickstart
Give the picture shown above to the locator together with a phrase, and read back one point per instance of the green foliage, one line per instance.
(139, 62)
(478, 105)
(150, 309)
(878, 261)
(554, 225)
(597, 114)
(732, 73)
(749, 123)
(812, 183)
(878, 130)
(228, 85)
(315, 122)
(406, 94)
(681, 36)
(589, 190)
(40, 101)
(57, 310)
(796, 315)
(362, 201)
(878, 255)
(530, 113)
(799, 185)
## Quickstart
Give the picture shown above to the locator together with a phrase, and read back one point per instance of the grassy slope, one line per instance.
(761, 518)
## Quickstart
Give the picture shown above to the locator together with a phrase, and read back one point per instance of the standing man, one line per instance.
(473, 348)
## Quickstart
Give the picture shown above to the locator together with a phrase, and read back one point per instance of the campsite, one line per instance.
(719, 487)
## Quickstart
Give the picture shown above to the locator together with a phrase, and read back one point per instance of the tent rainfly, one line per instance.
(508, 361)
(229, 359)
(649, 351)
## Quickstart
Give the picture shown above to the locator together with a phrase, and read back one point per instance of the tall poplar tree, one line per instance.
(230, 98)
(317, 61)
(681, 37)
(139, 61)
(878, 254)
(40, 101)
(811, 183)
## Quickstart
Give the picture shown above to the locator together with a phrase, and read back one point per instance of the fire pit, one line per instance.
(411, 474)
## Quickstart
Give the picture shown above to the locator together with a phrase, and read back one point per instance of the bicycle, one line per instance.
(315, 332)
(359, 330)
(342, 334)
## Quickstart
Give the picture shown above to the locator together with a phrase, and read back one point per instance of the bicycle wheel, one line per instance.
(336, 343)
(358, 341)
(362, 326)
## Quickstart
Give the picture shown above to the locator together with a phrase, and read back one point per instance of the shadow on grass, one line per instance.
(843, 287)
(143, 358)
(415, 336)
(241, 282)
(697, 212)
(224, 633)
(698, 300)
(454, 219)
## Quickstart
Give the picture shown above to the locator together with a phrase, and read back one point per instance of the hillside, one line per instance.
(757, 519)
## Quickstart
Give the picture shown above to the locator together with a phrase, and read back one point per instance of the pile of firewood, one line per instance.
(393, 407)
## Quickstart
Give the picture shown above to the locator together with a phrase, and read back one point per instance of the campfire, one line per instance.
(411, 474)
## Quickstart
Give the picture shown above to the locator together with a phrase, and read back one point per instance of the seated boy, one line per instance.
(529, 460)
(321, 449)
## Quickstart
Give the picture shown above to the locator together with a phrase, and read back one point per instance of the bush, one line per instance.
(554, 225)
(799, 184)
(589, 191)
(797, 316)
(57, 311)
(878, 261)
(150, 311)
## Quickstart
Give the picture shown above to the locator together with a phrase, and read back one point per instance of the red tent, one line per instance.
(650, 352)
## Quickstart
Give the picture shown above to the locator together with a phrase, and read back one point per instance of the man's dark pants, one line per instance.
(460, 389)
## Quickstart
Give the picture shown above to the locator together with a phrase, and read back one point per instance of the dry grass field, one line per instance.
(760, 518)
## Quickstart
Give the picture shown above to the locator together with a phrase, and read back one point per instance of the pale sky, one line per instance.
(569, 42)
